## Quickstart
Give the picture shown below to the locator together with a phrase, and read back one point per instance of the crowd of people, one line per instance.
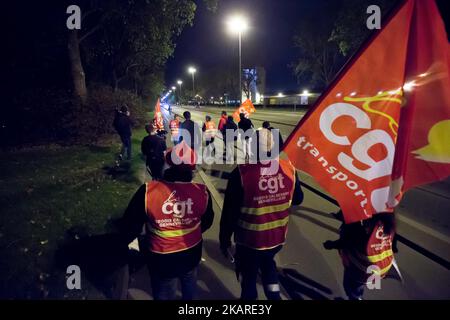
(175, 212)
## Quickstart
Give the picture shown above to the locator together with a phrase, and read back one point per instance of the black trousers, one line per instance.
(154, 168)
(248, 263)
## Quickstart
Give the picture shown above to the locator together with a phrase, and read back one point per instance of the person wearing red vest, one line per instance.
(366, 250)
(256, 210)
(174, 126)
(222, 122)
(175, 213)
(209, 130)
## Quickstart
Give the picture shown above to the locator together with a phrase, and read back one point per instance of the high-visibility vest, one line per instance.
(378, 255)
(174, 128)
(210, 131)
(268, 192)
(174, 212)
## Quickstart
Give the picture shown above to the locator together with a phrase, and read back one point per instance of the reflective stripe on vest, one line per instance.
(174, 233)
(174, 212)
(263, 226)
(378, 254)
(265, 209)
(268, 209)
(210, 131)
(174, 127)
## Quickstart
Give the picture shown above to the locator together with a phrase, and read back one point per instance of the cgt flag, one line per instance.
(157, 117)
(246, 108)
(383, 125)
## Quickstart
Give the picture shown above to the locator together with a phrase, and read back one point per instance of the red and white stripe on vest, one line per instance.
(174, 212)
(210, 131)
(268, 192)
(174, 128)
(378, 254)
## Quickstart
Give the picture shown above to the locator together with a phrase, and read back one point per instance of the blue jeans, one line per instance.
(126, 146)
(249, 262)
(166, 288)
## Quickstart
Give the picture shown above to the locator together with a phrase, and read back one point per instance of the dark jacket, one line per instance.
(194, 132)
(229, 125)
(167, 265)
(246, 125)
(122, 124)
(232, 205)
(153, 147)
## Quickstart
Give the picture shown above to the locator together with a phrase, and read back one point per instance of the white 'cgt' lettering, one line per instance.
(176, 207)
(273, 184)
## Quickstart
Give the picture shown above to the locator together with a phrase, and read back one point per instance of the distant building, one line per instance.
(253, 84)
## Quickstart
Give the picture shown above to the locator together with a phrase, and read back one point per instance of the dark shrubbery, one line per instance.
(53, 115)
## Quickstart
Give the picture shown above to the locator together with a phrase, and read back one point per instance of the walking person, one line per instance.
(122, 124)
(153, 147)
(174, 126)
(366, 249)
(230, 128)
(175, 212)
(258, 221)
(246, 126)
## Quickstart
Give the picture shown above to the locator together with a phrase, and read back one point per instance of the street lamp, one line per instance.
(180, 83)
(192, 71)
(238, 24)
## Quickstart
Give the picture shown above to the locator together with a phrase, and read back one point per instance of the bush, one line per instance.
(94, 120)
(41, 116)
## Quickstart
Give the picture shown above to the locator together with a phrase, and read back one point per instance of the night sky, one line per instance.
(267, 43)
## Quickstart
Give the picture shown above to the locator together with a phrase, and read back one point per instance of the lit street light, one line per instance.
(180, 83)
(238, 24)
(192, 71)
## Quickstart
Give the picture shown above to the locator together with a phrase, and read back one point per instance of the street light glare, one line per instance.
(174, 88)
(237, 24)
(180, 82)
(192, 70)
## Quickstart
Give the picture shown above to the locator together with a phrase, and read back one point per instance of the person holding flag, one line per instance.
(174, 126)
(383, 125)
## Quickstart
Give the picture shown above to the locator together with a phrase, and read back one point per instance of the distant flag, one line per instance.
(246, 108)
(383, 126)
(157, 117)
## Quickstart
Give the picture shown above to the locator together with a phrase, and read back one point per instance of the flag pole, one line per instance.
(343, 71)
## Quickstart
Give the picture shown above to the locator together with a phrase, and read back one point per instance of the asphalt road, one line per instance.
(307, 270)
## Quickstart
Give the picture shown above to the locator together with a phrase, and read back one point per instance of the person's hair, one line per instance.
(175, 117)
(124, 109)
(386, 218)
(241, 115)
(187, 115)
(230, 118)
(266, 124)
(148, 128)
(208, 118)
(224, 113)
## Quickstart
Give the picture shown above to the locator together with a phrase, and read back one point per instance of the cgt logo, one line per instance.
(273, 184)
(176, 207)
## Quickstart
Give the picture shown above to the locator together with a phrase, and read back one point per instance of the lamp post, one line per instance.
(174, 92)
(238, 24)
(180, 83)
(192, 71)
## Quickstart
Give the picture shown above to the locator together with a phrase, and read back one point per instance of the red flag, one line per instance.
(372, 116)
(246, 108)
(157, 117)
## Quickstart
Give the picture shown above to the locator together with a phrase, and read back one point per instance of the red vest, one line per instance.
(378, 254)
(267, 198)
(174, 128)
(210, 131)
(174, 213)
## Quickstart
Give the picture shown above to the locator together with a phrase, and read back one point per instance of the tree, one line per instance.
(350, 29)
(125, 43)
